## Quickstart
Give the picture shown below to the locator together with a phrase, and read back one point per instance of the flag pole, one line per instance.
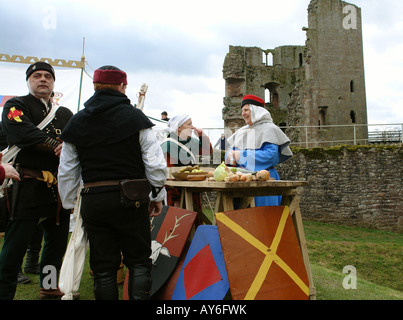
(81, 78)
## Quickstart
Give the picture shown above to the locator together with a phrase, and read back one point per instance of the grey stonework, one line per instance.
(319, 84)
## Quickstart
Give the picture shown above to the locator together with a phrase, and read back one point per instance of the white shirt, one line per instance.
(69, 175)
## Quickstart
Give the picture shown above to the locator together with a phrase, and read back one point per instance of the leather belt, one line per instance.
(102, 183)
(30, 173)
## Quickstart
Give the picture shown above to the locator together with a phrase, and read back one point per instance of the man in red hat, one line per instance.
(34, 199)
(106, 144)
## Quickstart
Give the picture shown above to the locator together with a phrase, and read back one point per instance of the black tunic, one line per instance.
(106, 135)
(20, 118)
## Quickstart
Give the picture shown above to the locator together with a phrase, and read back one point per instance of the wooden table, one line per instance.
(226, 191)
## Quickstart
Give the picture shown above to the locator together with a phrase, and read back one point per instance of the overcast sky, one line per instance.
(178, 47)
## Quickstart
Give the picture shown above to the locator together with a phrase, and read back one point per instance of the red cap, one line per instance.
(110, 76)
(251, 99)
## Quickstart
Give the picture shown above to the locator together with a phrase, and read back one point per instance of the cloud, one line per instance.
(384, 85)
(383, 44)
(178, 47)
(197, 96)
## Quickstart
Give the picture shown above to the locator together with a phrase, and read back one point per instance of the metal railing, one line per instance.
(388, 136)
(373, 133)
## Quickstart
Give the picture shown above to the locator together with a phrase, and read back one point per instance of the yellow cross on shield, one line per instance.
(262, 254)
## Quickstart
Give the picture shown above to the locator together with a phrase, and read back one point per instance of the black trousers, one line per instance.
(114, 231)
(16, 239)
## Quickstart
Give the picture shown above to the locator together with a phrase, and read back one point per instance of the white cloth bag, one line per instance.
(74, 259)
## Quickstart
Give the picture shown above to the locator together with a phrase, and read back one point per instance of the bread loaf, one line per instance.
(194, 177)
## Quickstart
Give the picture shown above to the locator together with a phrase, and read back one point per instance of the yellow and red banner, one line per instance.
(3, 99)
(67, 85)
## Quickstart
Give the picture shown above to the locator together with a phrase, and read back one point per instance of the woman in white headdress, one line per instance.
(259, 145)
(181, 148)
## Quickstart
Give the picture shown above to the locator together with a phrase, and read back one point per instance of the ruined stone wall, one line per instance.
(246, 72)
(334, 70)
(322, 82)
(355, 186)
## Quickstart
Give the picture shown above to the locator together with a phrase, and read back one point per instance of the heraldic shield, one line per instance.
(169, 233)
(262, 254)
(203, 275)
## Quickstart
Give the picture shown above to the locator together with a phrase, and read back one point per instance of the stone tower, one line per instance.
(319, 85)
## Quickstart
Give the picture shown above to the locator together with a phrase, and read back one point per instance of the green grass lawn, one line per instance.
(376, 255)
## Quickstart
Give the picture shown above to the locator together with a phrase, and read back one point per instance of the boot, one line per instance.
(31, 262)
(140, 282)
(50, 294)
(105, 286)
(54, 294)
(33, 250)
(22, 278)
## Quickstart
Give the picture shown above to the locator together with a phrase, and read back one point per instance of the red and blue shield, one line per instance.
(203, 275)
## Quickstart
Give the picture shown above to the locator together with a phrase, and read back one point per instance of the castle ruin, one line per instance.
(317, 91)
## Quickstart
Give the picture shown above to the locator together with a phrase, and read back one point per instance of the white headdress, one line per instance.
(262, 130)
(175, 122)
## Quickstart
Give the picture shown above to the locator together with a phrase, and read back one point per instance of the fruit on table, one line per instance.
(263, 175)
(189, 169)
(221, 172)
(225, 174)
(246, 177)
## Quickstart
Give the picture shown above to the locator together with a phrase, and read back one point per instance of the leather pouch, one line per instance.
(134, 193)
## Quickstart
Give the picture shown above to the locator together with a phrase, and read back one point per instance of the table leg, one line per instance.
(187, 203)
(188, 199)
(227, 202)
(245, 202)
(183, 204)
(295, 211)
(219, 207)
